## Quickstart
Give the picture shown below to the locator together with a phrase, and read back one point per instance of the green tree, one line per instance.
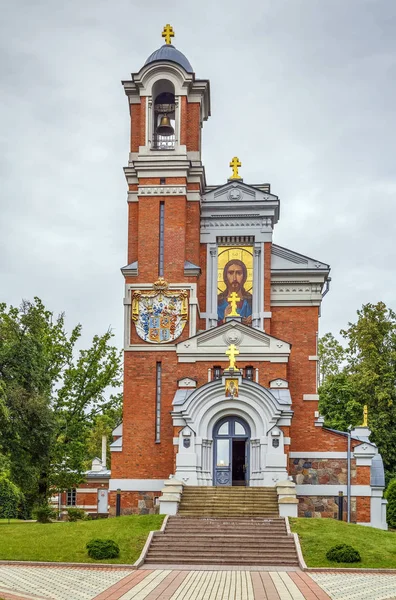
(51, 395)
(366, 377)
(10, 499)
(391, 507)
(331, 356)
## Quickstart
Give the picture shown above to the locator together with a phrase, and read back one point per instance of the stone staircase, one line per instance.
(225, 526)
(229, 502)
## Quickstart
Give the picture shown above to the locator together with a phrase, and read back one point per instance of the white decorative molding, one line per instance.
(310, 397)
(136, 485)
(187, 382)
(279, 383)
(151, 348)
(162, 190)
(318, 455)
(291, 293)
(331, 490)
(206, 223)
(313, 357)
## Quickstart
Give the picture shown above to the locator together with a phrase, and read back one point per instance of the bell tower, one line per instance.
(165, 175)
(163, 281)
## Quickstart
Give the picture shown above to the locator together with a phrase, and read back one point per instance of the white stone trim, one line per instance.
(193, 196)
(267, 315)
(83, 506)
(87, 490)
(332, 490)
(156, 348)
(287, 441)
(202, 409)
(162, 190)
(310, 397)
(315, 357)
(144, 551)
(303, 564)
(303, 454)
(136, 485)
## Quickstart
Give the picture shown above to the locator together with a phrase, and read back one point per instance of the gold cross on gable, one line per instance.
(234, 164)
(168, 33)
(233, 299)
(232, 352)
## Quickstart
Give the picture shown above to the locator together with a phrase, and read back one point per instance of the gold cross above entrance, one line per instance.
(168, 33)
(233, 299)
(235, 164)
(232, 352)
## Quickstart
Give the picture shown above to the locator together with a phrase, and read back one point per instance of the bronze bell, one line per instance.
(165, 127)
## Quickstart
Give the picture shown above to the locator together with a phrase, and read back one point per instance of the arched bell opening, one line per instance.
(231, 437)
(164, 115)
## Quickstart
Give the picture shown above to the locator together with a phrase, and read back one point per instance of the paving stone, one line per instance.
(202, 583)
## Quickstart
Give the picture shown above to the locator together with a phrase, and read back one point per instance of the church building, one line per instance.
(221, 325)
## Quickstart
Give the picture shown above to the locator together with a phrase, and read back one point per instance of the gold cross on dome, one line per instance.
(232, 352)
(233, 300)
(168, 33)
(234, 164)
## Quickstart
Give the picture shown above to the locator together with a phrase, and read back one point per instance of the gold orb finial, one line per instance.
(168, 33)
(235, 164)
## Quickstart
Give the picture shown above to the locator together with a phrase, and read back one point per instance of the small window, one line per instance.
(162, 181)
(71, 497)
(249, 373)
(216, 372)
(239, 429)
(224, 429)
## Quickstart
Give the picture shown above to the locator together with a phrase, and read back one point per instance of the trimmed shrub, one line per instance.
(99, 549)
(44, 513)
(390, 495)
(10, 499)
(342, 553)
(75, 514)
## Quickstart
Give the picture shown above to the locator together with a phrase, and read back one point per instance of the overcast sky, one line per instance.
(303, 91)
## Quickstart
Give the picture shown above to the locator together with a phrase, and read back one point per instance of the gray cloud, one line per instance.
(302, 91)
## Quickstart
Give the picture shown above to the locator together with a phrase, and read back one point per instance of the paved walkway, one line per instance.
(66, 583)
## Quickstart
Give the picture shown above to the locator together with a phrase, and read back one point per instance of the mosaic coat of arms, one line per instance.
(159, 314)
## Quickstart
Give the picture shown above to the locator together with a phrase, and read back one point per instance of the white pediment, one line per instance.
(187, 382)
(283, 259)
(237, 191)
(253, 345)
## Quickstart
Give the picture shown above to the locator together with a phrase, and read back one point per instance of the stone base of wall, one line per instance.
(135, 503)
(324, 507)
(321, 471)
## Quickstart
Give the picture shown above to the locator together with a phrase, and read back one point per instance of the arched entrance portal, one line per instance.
(231, 437)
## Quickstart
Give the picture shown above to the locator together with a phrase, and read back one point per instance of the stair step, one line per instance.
(221, 561)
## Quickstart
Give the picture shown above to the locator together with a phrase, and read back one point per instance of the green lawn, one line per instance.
(377, 548)
(65, 542)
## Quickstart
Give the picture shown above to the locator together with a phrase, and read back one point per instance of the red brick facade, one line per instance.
(175, 180)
